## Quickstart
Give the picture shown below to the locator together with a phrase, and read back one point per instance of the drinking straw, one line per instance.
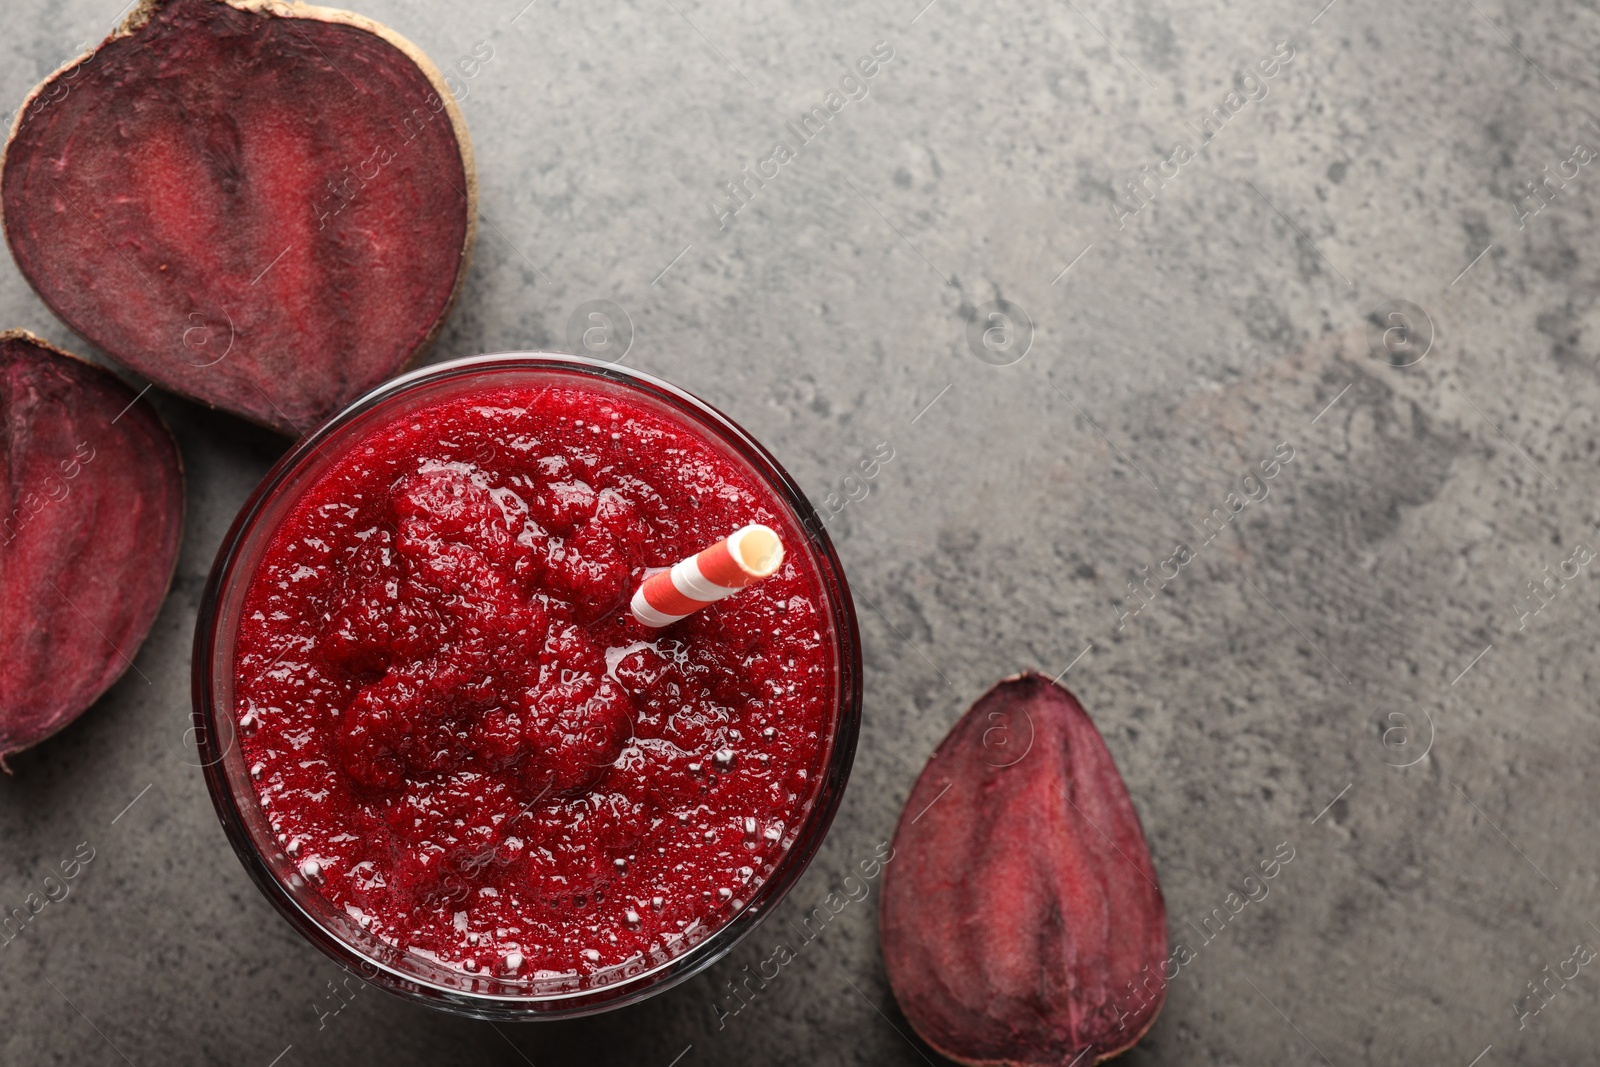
(747, 555)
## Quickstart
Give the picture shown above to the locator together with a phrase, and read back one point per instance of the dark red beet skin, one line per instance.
(270, 213)
(91, 515)
(1021, 920)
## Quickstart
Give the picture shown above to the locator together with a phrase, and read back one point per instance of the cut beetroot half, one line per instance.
(92, 492)
(1022, 923)
(266, 207)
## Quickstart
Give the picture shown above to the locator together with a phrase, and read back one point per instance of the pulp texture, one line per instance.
(456, 727)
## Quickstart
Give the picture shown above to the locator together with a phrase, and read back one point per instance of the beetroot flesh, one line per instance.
(91, 515)
(270, 213)
(1021, 920)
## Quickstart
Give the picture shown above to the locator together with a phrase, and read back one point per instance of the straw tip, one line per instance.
(758, 549)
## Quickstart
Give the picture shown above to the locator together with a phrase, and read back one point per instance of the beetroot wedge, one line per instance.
(1021, 920)
(91, 515)
(267, 207)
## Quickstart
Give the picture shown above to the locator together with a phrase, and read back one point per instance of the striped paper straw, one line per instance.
(747, 555)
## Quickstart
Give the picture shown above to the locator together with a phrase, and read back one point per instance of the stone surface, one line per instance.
(1363, 614)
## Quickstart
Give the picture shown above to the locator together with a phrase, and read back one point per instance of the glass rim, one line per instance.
(657, 976)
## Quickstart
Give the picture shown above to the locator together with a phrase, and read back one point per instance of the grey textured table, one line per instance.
(1351, 667)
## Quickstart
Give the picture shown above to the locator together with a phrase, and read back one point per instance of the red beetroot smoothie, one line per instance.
(459, 732)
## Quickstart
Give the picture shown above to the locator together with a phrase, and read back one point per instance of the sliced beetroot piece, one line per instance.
(1021, 920)
(91, 514)
(266, 207)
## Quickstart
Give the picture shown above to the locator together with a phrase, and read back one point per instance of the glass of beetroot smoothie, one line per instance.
(445, 747)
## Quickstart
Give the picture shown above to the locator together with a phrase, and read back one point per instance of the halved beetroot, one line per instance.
(265, 206)
(91, 489)
(1021, 920)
